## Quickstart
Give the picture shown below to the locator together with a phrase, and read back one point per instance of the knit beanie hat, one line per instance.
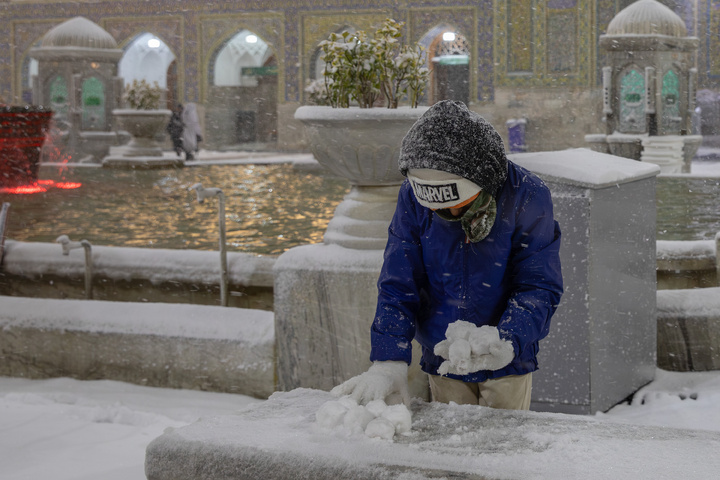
(451, 138)
(436, 189)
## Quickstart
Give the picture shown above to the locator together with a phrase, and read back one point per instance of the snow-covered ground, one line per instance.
(71, 430)
(66, 429)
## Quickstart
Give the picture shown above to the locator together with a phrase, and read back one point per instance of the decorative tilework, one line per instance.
(25, 35)
(169, 29)
(317, 27)
(713, 39)
(423, 22)
(217, 30)
(519, 25)
(561, 40)
(574, 63)
(182, 25)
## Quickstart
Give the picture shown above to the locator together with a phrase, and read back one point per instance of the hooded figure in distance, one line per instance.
(192, 133)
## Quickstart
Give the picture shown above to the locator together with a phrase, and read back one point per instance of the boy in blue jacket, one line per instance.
(471, 269)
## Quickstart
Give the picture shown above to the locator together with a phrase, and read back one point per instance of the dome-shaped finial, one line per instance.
(647, 17)
(79, 32)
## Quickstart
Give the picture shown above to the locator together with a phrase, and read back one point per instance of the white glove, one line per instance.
(469, 348)
(382, 380)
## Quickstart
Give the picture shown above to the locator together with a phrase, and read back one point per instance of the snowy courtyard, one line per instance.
(70, 430)
(67, 429)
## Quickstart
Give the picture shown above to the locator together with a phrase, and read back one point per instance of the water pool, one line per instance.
(270, 208)
(688, 207)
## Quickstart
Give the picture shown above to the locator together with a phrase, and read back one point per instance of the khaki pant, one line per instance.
(510, 393)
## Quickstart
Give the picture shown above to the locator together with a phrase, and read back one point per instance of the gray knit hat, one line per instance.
(451, 138)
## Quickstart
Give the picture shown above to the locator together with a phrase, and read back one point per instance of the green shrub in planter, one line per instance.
(362, 68)
(140, 95)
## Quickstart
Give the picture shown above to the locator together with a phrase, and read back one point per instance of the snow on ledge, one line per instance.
(124, 263)
(161, 319)
(685, 249)
(689, 303)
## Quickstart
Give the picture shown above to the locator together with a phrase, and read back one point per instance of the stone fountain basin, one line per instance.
(279, 439)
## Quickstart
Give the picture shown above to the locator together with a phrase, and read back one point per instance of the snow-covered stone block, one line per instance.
(154, 344)
(281, 439)
(688, 323)
(602, 342)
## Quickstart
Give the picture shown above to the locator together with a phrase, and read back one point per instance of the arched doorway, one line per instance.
(242, 100)
(148, 58)
(448, 57)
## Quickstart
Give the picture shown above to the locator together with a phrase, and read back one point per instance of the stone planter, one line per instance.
(363, 146)
(325, 294)
(144, 126)
(22, 134)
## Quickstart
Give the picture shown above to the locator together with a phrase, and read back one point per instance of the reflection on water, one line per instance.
(269, 208)
(688, 208)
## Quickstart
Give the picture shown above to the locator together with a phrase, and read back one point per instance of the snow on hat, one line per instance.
(437, 189)
(451, 138)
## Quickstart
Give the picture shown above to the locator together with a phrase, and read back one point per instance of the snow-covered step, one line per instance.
(688, 329)
(154, 344)
(280, 439)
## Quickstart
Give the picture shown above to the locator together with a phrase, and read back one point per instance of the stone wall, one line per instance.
(159, 345)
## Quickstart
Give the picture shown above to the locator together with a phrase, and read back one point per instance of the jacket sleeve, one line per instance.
(535, 274)
(399, 286)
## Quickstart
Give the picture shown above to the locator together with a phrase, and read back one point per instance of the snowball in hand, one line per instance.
(468, 348)
(375, 420)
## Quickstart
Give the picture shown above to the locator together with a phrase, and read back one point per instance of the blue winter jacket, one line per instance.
(432, 277)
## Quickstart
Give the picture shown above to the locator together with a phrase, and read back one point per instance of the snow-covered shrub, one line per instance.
(362, 68)
(140, 95)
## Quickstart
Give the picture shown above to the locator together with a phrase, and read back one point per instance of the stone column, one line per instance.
(602, 342)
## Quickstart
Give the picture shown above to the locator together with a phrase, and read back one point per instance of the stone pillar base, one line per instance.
(325, 297)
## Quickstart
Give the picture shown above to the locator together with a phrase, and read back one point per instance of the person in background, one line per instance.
(192, 134)
(471, 269)
(175, 129)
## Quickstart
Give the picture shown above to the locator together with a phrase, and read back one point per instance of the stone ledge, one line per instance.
(686, 264)
(159, 345)
(278, 439)
(32, 259)
(688, 329)
(141, 163)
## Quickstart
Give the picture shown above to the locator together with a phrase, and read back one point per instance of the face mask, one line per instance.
(478, 220)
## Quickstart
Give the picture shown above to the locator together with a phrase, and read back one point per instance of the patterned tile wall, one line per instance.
(545, 43)
(556, 40)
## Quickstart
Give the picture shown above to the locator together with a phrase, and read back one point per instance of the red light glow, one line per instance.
(68, 185)
(40, 186)
(24, 189)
